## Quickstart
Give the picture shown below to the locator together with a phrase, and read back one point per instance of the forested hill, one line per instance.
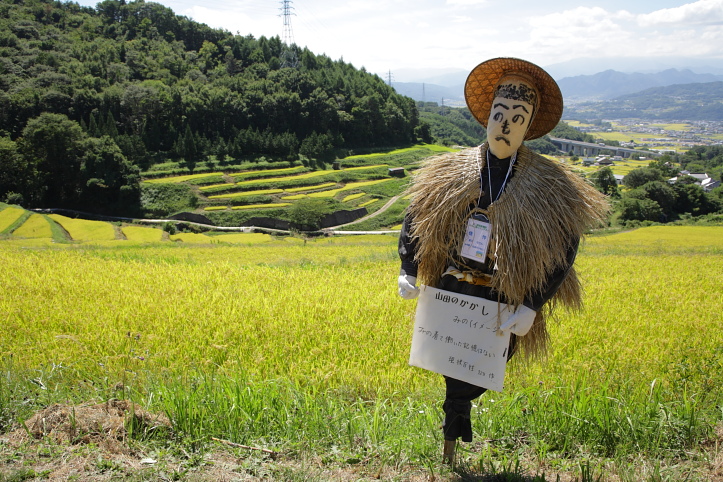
(130, 84)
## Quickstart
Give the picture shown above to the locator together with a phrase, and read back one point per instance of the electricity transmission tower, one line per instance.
(288, 55)
(390, 78)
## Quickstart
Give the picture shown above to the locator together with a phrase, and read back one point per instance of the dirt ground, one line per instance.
(94, 442)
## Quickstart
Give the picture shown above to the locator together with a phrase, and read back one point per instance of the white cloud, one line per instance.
(466, 3)
(694, 29)
(461, 19)
(701, 12)
(219, 19)
(579, 32)
(395, 34)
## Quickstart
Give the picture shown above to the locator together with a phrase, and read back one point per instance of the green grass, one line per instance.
(389, 219)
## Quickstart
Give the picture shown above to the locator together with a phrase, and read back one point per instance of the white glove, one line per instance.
(407, 288)
(520, 321)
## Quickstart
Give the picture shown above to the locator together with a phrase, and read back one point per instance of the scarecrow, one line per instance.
(535, 209)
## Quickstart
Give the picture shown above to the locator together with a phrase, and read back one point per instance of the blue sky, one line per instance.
(396, 35)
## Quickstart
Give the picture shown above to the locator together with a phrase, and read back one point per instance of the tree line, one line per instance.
(89, 97)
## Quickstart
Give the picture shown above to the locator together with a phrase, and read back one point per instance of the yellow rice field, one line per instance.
(36, 226)
(325, 312)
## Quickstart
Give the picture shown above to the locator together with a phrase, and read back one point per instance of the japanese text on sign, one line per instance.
(457, 335)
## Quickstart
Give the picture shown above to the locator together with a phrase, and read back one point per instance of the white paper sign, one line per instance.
(456, 335)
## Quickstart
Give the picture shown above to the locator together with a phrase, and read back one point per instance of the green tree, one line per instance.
(141, 74)
(640, 176)
(664, 164)
(189, 153)
(111, 181)
(423, 132)
(662, 194)
(306, 214)
(317, 146)
(566, 131)
(690, 198)
(56, 144)
(17, 175)
(604, 180)
(631, 209)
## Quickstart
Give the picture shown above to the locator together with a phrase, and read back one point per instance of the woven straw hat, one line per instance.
(483, 79)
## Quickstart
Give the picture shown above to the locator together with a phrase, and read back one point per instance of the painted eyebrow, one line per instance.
(520, 106)
(500, 104)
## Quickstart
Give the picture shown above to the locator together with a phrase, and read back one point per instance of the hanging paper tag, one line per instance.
(477, 238)
(457, 335)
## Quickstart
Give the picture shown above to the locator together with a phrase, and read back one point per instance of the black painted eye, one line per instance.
(518, 119)
(497, 117)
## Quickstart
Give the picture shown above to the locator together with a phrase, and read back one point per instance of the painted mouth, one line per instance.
(502, 138)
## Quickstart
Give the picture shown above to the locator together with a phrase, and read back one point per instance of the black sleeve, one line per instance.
(407, 248)
(554, 281)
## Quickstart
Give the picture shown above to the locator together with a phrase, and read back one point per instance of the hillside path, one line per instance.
(364, 218)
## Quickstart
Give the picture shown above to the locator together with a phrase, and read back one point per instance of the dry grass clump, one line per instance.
(102, 423)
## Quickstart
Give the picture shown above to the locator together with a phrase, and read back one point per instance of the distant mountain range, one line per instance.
(698, 101)
(611, 83)
(629, 65)
(582, 88)
(583, 91)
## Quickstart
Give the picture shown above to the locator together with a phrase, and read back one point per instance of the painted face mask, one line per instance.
(510, 117)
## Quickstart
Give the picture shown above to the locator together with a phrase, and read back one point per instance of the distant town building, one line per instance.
(709, 184)
(702, 179)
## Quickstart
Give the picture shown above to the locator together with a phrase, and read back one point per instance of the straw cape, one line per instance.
(544, 208)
